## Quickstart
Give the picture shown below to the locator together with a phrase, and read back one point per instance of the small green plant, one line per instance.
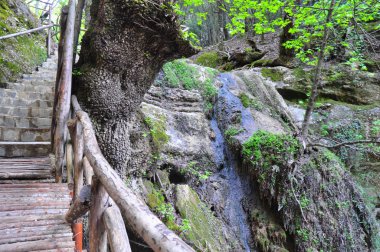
(77, 72)
(324, 130)
(266, 149)
(343, 204)
(165, 211)
(232, 131)
(178, 73)
(375, 129)
(303, 234)
(193, 169)
(304, 202)
(185, 226)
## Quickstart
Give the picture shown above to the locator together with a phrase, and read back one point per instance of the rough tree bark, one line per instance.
(124, 48)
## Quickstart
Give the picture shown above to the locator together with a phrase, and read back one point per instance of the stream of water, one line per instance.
(238, 187)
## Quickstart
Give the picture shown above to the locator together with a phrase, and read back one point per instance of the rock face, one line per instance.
(20, 54)
(280, 208)
(345, 122)
(206, 232)
(339, 83)
(187, 127)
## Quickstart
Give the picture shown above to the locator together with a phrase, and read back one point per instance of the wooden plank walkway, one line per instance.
(32, 207)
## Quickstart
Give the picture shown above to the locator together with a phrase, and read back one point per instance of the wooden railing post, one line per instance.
(69, 163)
(88, 171)
(99, 203)
(49, 35)
(63, 93)
(116, 231)
(75, 129)
(78, 22)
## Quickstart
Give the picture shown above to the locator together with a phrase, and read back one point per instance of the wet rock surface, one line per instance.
(316, 206)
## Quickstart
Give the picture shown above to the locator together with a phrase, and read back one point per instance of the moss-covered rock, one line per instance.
(272, 73)
(209, 59)
(320, 204)
(268, 235)
(340, 83)
(205, 230)
(23, 53)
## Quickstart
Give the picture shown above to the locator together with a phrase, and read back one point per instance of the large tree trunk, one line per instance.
(124, 48)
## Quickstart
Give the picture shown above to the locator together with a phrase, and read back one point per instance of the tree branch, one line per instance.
(368, 141)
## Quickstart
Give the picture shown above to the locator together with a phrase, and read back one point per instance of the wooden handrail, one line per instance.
(26, 32)
(134, 210)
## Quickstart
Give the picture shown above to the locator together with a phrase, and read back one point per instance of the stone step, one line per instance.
(25, 134)
(24, 122)
(30, 87)
(28, 95)
(26, 103)
(26, 111)
(43, 77)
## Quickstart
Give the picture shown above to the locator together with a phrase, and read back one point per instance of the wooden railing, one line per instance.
(97, 188)
(104, 193)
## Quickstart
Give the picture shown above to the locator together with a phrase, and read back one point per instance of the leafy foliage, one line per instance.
(306, 21)
(266, 149)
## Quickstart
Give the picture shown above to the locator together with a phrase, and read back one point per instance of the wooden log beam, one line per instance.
(80, 206)
(88, 171)
(75, 130)
(62, 25)
(116, 232)
(136, 212)
(97, 232)
(69, 163)
(77, 27)
(64, 93)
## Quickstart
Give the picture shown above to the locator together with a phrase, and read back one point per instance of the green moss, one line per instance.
(165, 211)
(273, 74)
(262, 63)
(179, 73)
(335, 76)
(209, 59)
(206, 231)
(157, 131)
(266, 232)
(229, 66)
(250, 102)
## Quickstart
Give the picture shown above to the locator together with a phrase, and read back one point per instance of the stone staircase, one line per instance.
(32, 206)
(26, 109)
